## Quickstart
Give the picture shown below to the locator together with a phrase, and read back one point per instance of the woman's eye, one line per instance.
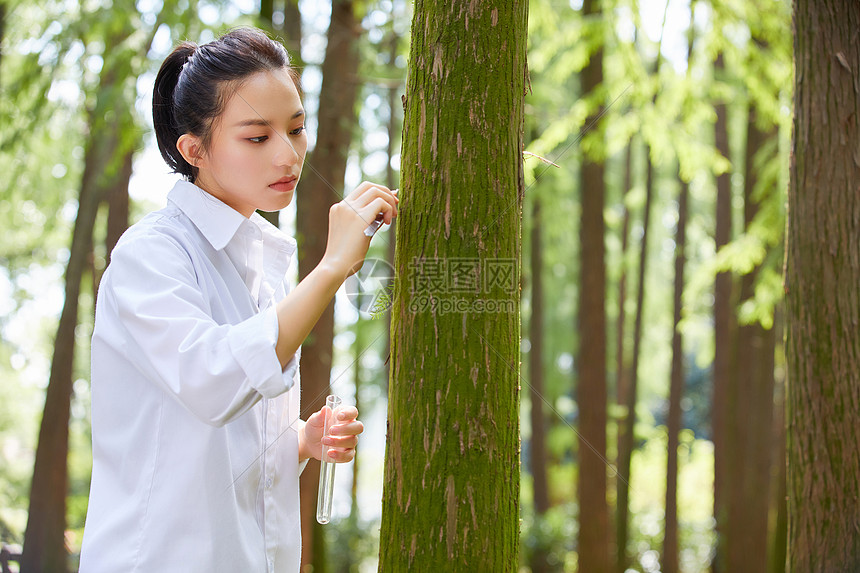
(259, 139)
(297, 131)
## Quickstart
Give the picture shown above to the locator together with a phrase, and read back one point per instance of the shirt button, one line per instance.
(268, 482)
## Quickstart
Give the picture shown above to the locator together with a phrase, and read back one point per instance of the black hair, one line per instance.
(190, 87)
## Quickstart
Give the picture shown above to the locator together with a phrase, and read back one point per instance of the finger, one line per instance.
(363, 188)
(347, 413)
(366, 212)
(340, 442)
(374, 191)
(371, 195)
(341, 455)
(348, 429)
(377, 206)
(318, 418)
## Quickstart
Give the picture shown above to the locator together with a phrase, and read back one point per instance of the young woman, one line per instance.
(197, 441)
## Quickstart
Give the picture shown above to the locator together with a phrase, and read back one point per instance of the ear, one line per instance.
(191, 149)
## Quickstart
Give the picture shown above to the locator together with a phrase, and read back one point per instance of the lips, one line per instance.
(284, 184)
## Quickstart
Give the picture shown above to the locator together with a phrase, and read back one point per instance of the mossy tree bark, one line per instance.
(822, 295)
(451, 491)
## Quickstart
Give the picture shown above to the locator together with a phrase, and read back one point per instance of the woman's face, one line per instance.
(258, 145)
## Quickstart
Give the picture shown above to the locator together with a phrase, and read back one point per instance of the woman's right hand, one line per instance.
(347, 244)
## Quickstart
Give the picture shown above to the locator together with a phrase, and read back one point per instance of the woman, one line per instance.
(197, 441)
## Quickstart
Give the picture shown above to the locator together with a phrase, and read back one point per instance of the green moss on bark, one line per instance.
(451, 489)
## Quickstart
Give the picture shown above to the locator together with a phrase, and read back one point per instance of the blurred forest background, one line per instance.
(693, 131)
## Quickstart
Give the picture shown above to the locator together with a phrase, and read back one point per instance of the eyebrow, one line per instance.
(259, 121)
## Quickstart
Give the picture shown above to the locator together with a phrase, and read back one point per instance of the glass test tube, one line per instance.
(324, 495)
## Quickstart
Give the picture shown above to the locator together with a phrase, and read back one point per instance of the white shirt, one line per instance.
(195, 451)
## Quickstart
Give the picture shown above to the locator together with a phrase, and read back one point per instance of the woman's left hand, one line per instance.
(342, 439)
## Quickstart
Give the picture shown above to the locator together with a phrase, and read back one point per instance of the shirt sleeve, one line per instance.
(217, 371)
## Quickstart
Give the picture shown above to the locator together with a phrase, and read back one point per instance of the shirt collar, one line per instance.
(217, 221)
(273, 236)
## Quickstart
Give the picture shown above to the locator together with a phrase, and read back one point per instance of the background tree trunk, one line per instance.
(321, 187)
(118, 205)
(620, 321)
(293, 32)
(593, 541)
(358, 347)
(104, 170)
(753, 385)
(537, 446)
(822, 298)
(44, 541)
(777, 544)
(723, 337)
(671, 540)
(671, 561)
(394, 107)
(451, 487)
(626, 438)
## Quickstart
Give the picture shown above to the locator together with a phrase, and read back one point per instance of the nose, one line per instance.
(285, 154)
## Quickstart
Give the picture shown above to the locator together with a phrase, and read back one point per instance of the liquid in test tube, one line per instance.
(324, 496)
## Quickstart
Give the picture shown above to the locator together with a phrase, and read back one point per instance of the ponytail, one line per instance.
(167, 129)
(188, 92)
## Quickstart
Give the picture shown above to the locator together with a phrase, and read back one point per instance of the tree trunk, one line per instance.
(593, 541)
(671, 562)
(779, 507)
(723, 337)
(622, 376)
(292, 29)
(118, 204)
(674, 421)
(822, 298)
(451, 486)
(117, 200)
(626, 439)
(350, 561)
(537, 445)
(750, 432)
(620, 367)
(44, 541)
(322, 181)
(44, 538)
